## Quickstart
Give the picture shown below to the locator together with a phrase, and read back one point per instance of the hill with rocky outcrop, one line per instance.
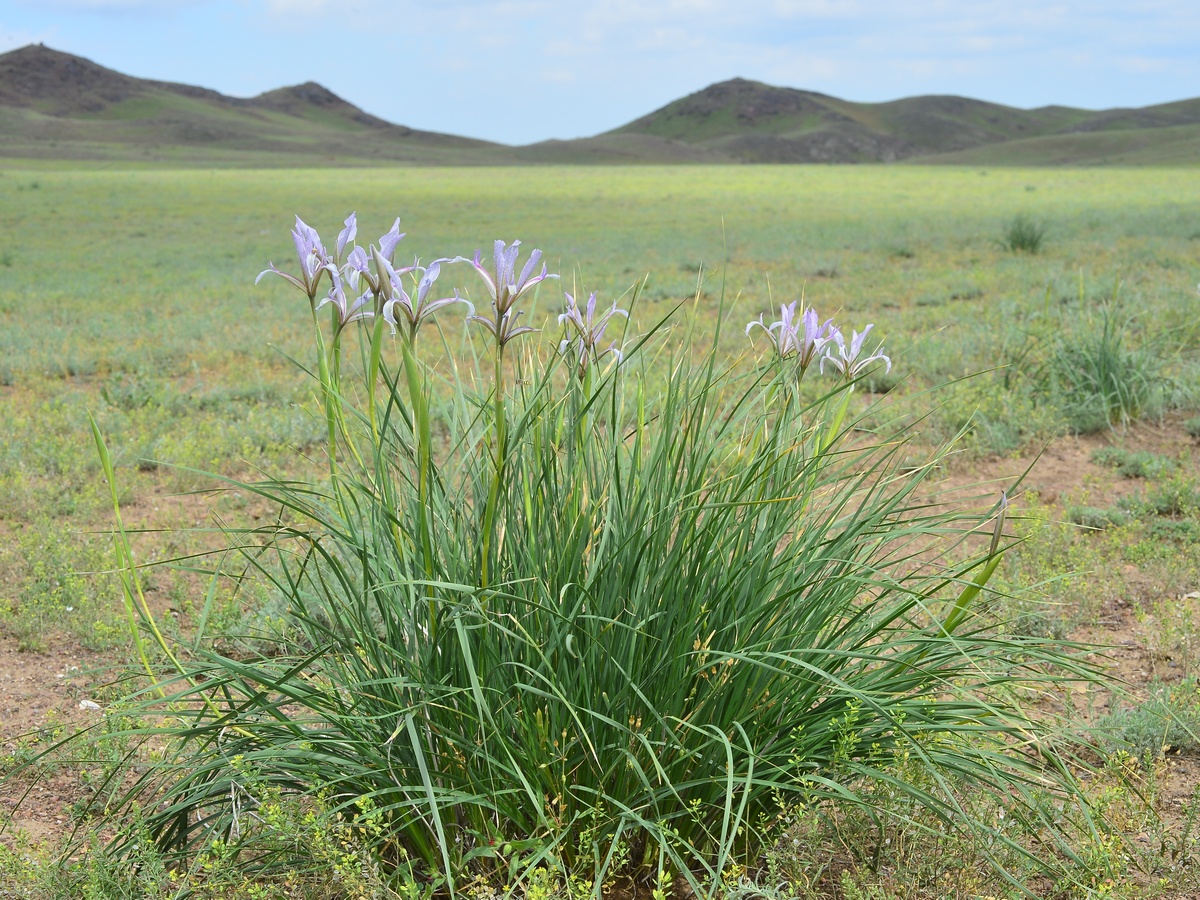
(57, 106)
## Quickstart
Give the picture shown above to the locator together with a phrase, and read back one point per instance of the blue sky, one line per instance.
(519, 71)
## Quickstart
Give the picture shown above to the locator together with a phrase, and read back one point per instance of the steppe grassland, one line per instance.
(146, 277)
(131, 293)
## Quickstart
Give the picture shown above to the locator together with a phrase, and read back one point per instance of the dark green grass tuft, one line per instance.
(1023, 235)
(1096, 518)
(1099, 379)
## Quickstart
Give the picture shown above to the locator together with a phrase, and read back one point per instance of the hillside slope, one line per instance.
(59, 105)
(754, 122)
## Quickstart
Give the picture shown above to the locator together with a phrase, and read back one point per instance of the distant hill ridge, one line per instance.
(54, 104)
(760, 123)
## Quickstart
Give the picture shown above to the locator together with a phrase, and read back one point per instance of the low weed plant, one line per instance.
(587, 613)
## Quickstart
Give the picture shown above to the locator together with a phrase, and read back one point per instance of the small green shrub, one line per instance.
(990, 418)
(967, 293)
(1133, 463)
(1179, 531)
(1023, 235)
(1096, 518)
(1169, 719)
(1192, 427)
(1176, 496)
(881, 381)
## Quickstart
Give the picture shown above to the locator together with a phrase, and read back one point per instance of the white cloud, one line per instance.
(294, 7)
(119, 6)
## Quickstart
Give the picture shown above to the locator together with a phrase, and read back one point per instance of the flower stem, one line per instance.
(500, 451)
(423, 433)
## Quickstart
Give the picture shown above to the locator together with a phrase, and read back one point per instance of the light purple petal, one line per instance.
(387, 243)
(346, 235)
(358, 260)
(530, 264)
(483, 273)
(856, 342)
(433, 306)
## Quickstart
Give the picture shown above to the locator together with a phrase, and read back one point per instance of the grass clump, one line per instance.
(1023, 235)
(562, 623)
(1099, 380)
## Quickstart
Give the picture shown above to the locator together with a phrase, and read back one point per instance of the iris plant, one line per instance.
(807, 337)
(412, 310)
(586, 332)
(617, 650)
(803, 339)
(847, 362)
(504, 285)
(347, 310)
(314, 261)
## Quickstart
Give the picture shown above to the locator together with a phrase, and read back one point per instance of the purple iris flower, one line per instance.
(847, 361)
(587, 331)
(386, 279)
(314, 260)
(413, 310)
(803, 339)
(504, 286)
(502, 326)
(357, 265)
(347, 310)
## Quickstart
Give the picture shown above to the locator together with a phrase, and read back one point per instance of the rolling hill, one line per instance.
(57, 106)
(752, 122)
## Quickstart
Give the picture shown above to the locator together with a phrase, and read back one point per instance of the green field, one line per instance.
(145, 279)
(131, 294)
